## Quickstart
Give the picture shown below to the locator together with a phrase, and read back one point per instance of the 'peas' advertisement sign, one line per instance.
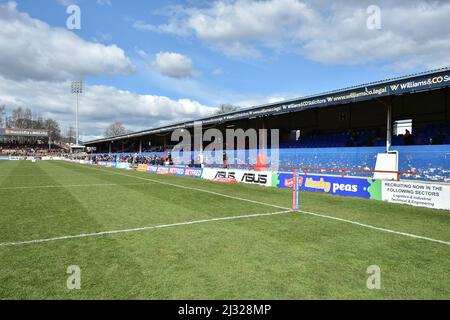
(347, 186)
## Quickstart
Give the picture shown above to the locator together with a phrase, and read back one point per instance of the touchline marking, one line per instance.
(377, 228)
(272, 205)
(161, 226)
(76, 186)
(49, 175)
(195, 189)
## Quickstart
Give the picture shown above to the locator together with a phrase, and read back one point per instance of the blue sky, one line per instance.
(171, 56)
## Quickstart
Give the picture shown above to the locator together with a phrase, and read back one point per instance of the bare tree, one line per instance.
(53, 129)
(21, 118)
(115, 129)
(225, 108)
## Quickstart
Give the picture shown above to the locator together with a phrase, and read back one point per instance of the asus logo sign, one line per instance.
(223, 174)
(253, 178)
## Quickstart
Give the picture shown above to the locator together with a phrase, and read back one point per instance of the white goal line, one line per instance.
(161, 226)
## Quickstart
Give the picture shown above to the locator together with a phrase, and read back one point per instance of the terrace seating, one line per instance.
(431, 134)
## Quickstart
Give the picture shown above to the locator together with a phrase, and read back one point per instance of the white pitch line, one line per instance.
(76, 186)
(272, 205)
(195, 189)
(161, 226)
(377, 228)
(50, 176)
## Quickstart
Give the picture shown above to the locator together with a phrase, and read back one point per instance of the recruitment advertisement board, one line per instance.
(430, 195)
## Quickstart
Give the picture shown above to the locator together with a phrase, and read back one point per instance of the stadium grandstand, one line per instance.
(16, 143)
(360, 184)
(345, 129)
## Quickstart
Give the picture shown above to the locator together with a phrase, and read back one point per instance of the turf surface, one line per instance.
(285, 256)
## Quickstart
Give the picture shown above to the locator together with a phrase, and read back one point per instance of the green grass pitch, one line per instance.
(283, 256)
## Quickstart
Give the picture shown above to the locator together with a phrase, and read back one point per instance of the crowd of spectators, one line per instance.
(134, 159)
(420, 138)
(30, 150)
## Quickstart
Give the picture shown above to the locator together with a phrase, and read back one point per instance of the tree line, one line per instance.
(23, 118)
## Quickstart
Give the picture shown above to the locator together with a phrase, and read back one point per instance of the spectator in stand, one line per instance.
(408, 138)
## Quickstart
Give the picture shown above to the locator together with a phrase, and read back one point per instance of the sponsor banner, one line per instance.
(362, 93)
(162, 170)
(23, 132)
(348, 187)
(107, 164)
(4, 158)
(142, 167)
(173, 170)
(176, 171)
(52, 158)
(193, 172)
(123, 165)
(210, 173)
(436, 196)
(225, 180)
(262, 178)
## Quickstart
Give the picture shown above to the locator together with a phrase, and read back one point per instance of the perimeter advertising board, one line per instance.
(436, 196)
(261, 178)
(123, 165)
(168, 170)
(193, 172)
(142, 167)
(421, 194)
(342, 186)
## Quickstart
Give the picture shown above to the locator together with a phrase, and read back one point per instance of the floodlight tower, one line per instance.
(77, 88)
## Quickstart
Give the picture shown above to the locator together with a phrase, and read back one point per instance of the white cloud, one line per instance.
(37, 62)
(99, 106)
(174, 65)
(414, 33)
(217, 72)
(31, 49)
(256, 100)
